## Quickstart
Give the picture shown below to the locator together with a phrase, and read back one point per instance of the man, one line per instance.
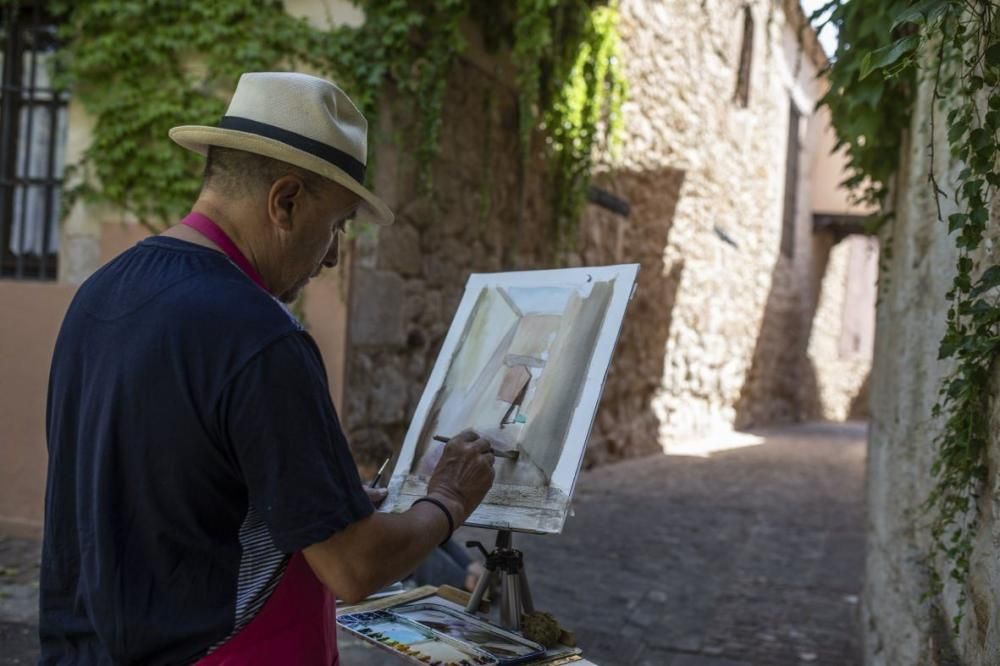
(202, 502)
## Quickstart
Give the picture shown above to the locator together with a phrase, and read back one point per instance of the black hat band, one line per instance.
(334, 156)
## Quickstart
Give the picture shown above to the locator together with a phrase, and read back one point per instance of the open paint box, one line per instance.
(437, 635)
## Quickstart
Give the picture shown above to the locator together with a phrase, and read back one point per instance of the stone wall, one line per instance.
(901, 627)
(484, 214)
(734, 315)
(719, 332)
(842, 340)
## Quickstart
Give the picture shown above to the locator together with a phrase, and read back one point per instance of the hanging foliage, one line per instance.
(143, 66)
(956, 45)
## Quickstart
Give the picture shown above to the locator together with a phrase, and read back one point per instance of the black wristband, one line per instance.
(447, 514)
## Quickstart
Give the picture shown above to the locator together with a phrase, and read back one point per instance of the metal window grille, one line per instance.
(33, 120)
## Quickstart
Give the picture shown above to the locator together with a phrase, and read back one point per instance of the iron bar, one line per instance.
(28, 105)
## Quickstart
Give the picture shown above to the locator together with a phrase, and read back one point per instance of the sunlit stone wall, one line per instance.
(720, 332)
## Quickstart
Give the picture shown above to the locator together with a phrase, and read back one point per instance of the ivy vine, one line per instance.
(870, 98)
(566, 53)
(956, 43)
(143, 66)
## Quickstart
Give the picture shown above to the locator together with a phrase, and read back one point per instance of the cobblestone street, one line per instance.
(752, 556)
(746, 556)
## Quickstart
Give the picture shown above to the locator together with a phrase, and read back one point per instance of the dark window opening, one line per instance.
(33, 119)
(791, 182)
(746, 60)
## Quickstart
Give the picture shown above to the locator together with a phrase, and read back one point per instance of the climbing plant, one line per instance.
(566, 53)
(955, 44)
(870, 95)
(143, 66)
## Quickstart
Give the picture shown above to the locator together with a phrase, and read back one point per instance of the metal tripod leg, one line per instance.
(477, 595)
(526, 604)
(506, 565)
(510, 601)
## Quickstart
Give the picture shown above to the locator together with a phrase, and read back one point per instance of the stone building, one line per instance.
(901, 625)
(756, 293)
(749, 309)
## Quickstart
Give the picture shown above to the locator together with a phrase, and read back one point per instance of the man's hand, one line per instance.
(463, 474)
(376, 495)
(374, 551)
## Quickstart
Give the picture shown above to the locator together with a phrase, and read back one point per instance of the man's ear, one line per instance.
(284, 197)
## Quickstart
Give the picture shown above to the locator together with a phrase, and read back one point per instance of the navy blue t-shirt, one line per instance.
(192, 447)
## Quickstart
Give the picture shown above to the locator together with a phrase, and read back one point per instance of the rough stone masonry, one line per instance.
(721, 332)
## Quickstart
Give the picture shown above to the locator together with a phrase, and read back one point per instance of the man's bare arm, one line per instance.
(382, 548)
(377, 550)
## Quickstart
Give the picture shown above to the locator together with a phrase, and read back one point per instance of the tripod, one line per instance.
(506, 565)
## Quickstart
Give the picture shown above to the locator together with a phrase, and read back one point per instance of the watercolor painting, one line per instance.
(523, 364)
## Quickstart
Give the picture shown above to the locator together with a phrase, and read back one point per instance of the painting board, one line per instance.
(523, 363)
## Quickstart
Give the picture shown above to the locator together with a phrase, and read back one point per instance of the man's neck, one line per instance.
(219, 216)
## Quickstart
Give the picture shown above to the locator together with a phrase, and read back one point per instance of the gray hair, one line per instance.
(239, 173)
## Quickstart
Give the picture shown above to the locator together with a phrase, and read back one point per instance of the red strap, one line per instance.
(213, 232)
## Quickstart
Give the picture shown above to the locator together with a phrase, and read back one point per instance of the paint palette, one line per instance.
(504, 646)
(412, 640)
(436, 635)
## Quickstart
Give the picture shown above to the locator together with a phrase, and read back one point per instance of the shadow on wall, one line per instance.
(491, 211)
(626, 424)
(783, 382)
(811, 405)
(860, 406)
(781, 385)
(488, 211)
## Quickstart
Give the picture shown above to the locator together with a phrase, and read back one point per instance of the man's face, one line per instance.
(314, 241)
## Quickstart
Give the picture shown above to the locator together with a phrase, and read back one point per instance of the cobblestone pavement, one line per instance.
(751, 556)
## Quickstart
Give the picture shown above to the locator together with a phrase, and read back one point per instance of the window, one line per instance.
(742, 95)
(791, 182)
(32, 144)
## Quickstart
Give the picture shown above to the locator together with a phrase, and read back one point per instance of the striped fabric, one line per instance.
(261, 568)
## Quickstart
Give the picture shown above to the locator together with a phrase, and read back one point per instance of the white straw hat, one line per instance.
(298, 119)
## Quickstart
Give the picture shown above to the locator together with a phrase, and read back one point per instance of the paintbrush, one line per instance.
(378, 474)
(509, 455)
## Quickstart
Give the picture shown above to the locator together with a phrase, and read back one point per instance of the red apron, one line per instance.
(298, 623)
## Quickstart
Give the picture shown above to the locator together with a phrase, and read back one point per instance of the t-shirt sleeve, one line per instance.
(281, 427)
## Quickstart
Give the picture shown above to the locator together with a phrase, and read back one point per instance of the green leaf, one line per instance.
(913, 14)
(992, 54)
(992, 120)
(980, 139)
(887, 55)
(947, 349)
(988, 280)
(972, 189)
(957, 131)
(979, 216)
